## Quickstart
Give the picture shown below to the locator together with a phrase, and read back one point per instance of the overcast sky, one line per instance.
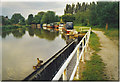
(26, 7)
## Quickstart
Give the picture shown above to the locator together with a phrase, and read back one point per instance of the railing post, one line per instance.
(78, 70)
(86, 43)
(83, 51)
(65, 75)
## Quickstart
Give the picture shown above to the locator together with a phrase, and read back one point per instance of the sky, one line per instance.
(26, 7)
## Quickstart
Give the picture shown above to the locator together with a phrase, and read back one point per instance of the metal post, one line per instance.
(77, 74)
(65, 75)
(86, 44)
(83, 51)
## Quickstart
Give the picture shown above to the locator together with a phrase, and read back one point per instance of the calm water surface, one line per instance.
(21, 48)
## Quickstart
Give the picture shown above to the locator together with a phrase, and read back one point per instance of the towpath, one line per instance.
(109, 54)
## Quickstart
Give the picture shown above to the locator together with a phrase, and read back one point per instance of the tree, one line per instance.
(30, 19)
(22, 21)
(107, 14)
(5, 20)
(38, 17)
(93, 14)
(73, 8)
(68, 18)
(16, 18)
(68, 9)
(48, 17)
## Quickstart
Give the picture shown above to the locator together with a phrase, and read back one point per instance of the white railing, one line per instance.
(79, 56)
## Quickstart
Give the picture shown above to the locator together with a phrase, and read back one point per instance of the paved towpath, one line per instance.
(109, 54)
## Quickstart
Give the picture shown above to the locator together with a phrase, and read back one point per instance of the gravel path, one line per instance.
(109, 54)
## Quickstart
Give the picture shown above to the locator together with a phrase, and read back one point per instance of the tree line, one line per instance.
(97, 14)
(40, 18)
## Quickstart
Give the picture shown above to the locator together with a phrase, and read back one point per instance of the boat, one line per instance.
(68, 27)
(56, 26)
(45, 26)
(51, 25)
(61, 25)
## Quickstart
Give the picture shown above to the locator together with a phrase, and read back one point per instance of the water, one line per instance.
(21, 48)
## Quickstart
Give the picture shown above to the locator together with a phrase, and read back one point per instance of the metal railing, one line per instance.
(80, 55)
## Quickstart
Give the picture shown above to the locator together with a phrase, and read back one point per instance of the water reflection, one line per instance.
(41, 33)
(45, 34)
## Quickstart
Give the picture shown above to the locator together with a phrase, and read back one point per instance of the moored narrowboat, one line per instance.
(44, 26)
(68, 27)
(61, 25)
(51, 25)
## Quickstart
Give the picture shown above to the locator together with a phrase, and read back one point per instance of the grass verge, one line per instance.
(94, 67)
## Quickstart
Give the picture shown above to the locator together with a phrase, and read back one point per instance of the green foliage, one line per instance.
(22, 22)
(94, 68)
(49, 17)
(68, 18)
(10, 27)
(94, 42)
(30, 19)
(5, 20)
(38, 17)
(107, 12)
(94, 14)
(16, 18)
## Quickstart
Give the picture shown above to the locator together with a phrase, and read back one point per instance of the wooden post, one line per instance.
(106, 26)
(65, 75)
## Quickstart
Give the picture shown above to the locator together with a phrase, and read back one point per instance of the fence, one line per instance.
(84, 43)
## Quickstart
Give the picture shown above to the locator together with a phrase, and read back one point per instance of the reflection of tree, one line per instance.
(4, 34)
(31, 31)
(45, 34)
(18, 33)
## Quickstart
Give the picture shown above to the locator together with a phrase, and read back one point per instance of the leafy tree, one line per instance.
(38, 17)
(48, 17)
(68, 18)
(107, 13)
(16, 18)
(93, 14)
(73, 8)
(22, 21)
(30, 19)
(5, 20)
(68, 9)
(57, 19)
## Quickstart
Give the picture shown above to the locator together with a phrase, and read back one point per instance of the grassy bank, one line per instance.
(94, 67)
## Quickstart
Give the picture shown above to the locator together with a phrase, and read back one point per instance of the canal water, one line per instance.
(22, 47)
